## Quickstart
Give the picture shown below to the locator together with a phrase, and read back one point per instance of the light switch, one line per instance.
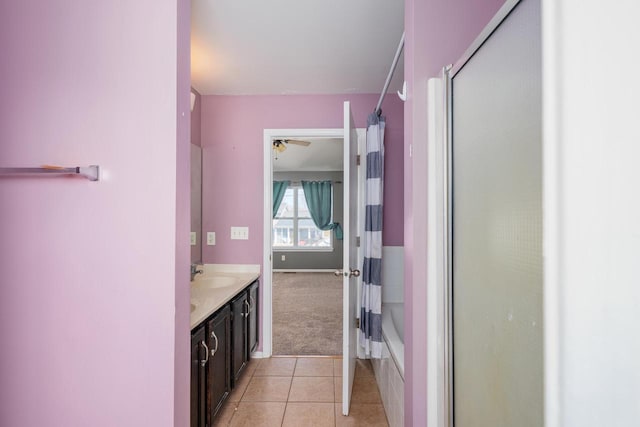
(239, 233)
(211, 238)
(283, 258)
(193, 238)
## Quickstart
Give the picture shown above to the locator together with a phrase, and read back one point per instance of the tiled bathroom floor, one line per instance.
(302, 391)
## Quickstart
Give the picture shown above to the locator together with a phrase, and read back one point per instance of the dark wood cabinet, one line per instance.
(219, 368)
(210, 367)
(220, 349)
(240, 354)
(244, 308)
(198, 378)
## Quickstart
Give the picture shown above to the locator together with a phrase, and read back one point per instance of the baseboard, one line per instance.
(257, 355)
(303, 270)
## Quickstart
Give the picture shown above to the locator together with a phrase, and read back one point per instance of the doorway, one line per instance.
(272, 260)
(354, 168)
(307, 295)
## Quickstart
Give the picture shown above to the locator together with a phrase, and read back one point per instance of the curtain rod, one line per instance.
(391, 71)
(300, 182)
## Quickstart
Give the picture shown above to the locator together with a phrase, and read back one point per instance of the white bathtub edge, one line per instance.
(389, 371)
(391, 336)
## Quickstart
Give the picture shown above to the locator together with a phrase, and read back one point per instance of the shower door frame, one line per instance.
(448, 74)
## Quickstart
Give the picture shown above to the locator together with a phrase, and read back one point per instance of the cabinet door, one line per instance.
(239, 309)
(198, 378)
(219, 368)
(253, 318)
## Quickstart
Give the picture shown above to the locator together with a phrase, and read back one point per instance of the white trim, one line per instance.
(362, 178)
(552, 139)
(257, 355)
(447, 249)
(266, 246)
(436, 252)
(267, 285)
(302, 249)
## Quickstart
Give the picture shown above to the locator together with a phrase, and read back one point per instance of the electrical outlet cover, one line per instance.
(211, 238)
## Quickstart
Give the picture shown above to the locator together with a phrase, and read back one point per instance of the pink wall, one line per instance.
(87, 269)
(182, 340)
(196, 127)
(232, 138)
(437, 33)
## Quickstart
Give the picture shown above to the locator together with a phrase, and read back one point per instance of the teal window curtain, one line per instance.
(279, 188)
(319, 200)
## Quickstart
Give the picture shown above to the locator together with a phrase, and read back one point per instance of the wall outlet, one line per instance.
(283, 258)
(239, 233)
(193, 238)
(211, 238)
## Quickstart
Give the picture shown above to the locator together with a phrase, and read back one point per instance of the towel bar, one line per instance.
(92, 173)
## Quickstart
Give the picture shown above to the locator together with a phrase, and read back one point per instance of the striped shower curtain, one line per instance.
(371, 305)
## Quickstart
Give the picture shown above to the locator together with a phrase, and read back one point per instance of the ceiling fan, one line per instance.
(279, 145)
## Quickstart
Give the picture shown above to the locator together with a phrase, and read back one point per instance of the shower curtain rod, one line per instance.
(391, 71)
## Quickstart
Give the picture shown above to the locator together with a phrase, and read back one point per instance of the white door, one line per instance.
(350, 258)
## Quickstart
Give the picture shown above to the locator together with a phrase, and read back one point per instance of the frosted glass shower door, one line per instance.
(497, 228)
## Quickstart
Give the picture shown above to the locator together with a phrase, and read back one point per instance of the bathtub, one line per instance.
(389, 370)
(393, 332)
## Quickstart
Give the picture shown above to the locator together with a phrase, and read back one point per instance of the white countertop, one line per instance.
(217, 286)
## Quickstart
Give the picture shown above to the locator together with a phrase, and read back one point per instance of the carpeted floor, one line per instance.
(307, 314)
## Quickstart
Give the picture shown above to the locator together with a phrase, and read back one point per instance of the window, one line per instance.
(293, 228)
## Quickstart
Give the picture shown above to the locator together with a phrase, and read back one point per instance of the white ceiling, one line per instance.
(324, 154)
(252, 47)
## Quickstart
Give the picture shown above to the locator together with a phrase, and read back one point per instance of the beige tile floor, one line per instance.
(299, 392)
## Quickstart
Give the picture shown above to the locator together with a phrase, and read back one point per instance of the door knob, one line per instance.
(351, 273)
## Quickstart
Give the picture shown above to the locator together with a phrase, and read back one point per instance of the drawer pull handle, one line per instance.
(246, 304)
(213, 335)
(204, 362)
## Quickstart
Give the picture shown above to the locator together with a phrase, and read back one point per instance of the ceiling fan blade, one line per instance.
(297, 142)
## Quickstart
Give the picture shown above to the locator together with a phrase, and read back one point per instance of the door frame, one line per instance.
(267, 270)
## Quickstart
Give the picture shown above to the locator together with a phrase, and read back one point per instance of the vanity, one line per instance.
(224, 331)
(224, 316)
